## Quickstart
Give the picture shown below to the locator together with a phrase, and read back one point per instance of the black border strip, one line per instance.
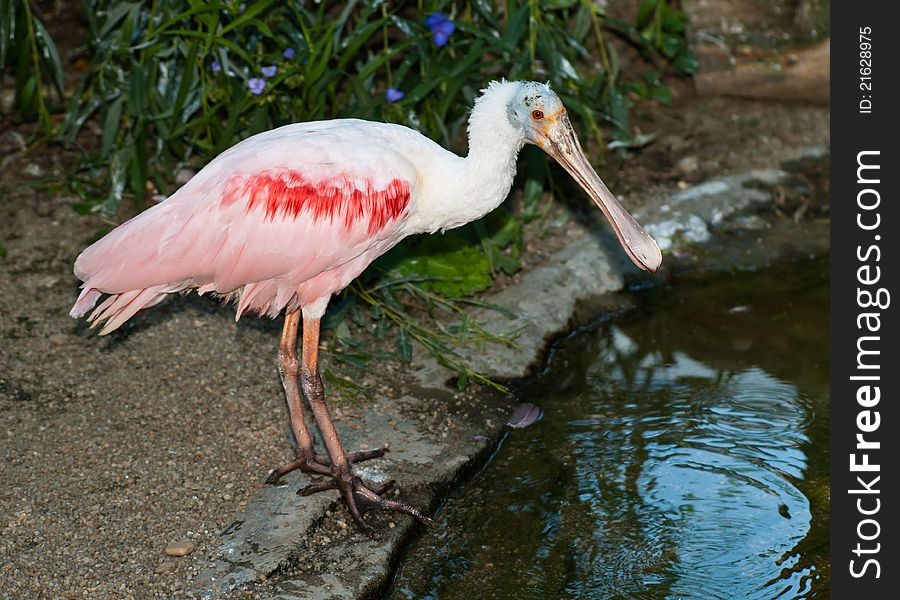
(865, 53)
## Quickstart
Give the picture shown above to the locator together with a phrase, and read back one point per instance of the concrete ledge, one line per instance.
(309, 548)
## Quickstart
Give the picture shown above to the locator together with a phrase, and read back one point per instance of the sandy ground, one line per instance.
(115, 447)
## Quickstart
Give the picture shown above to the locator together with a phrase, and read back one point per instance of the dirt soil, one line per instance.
(116, 447)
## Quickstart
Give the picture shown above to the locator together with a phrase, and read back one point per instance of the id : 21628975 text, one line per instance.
(865, 70)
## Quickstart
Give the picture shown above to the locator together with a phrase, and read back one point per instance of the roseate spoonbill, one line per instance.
(286, 218)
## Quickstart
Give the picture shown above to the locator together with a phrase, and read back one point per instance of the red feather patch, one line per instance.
(288, 194)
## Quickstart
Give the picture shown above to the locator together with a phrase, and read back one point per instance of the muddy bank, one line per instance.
(117, 447)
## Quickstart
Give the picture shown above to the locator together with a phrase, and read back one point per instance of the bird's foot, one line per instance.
(360, 498)
(319, 464)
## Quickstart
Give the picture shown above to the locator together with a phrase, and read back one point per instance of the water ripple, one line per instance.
(664, 467)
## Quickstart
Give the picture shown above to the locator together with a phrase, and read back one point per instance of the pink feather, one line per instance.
(271, 224)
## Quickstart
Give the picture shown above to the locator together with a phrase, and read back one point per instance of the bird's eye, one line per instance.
(537, 115)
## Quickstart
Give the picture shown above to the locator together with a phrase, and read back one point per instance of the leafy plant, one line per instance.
(652, 88)
(26, 46)
(453, 267)
(663, 27)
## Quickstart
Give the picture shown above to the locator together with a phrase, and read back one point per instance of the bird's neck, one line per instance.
(467, 189)
(463, 190)
(458, 190)
(494, 145)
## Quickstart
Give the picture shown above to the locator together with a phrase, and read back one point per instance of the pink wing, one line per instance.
(283, 219)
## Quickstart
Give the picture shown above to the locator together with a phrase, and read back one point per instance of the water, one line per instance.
(683, 454)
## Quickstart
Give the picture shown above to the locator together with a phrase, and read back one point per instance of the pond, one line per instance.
(683, 453)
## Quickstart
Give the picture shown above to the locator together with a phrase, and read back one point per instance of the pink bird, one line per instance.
(287, 218)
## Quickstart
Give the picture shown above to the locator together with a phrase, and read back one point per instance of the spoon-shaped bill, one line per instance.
(561, 143)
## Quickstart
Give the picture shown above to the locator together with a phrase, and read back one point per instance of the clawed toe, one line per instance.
(319, 486)
(360, 498)
(373, 499)
(362, 455)
(357, 495)
(319, 464)
(331, 484)
(305, 464)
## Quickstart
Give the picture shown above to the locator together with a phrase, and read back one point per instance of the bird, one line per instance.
(285, 219)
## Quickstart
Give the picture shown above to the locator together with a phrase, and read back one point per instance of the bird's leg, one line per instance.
(356, 494)
(288, 367)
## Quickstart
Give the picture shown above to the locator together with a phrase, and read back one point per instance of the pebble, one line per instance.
(7, 101)
(167, 566)
(181, 548)
(33, 170)
(58, 339)
(688, 165)
(184, 175)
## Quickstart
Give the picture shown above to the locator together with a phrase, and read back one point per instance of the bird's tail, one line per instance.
(125, 267)
(117, 308)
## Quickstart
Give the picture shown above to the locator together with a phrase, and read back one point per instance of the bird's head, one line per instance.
(537, 112)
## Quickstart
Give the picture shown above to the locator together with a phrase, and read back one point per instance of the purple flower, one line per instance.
(214, 66)
(441, 37)
(256, 85)
(288, 53)
(441, 27)
(434, 19)
(393, 95)
(269, 71)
